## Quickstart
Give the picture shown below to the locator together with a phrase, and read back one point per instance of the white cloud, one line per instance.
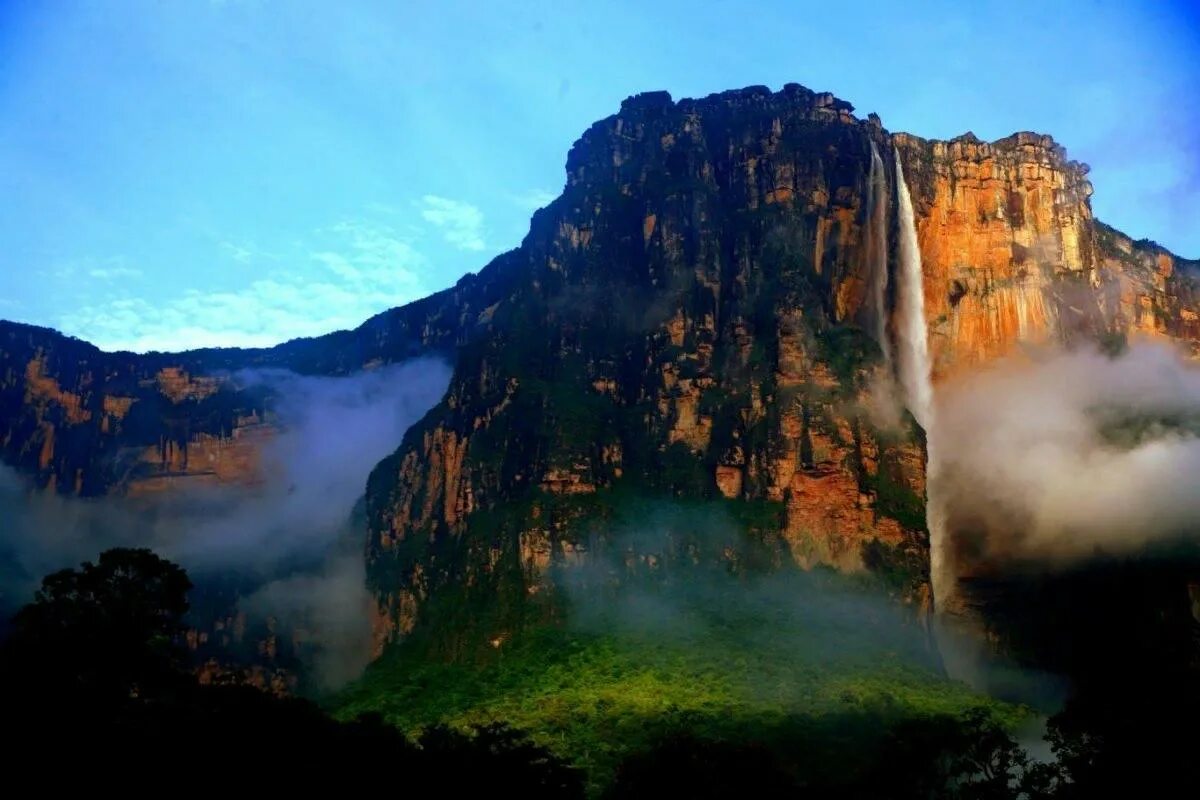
(359, 270)
(461, 223)
(237, 252)
(114, 273)
(1067, 455)
(534, 199)
(112, 268)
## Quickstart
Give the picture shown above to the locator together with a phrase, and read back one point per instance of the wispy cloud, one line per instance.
(112, 268)
(246, 252)
(114, 273)
(366, 269)
(461, 223)
(534, 199)
(237, 252)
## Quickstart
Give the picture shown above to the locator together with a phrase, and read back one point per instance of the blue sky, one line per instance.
(239, 172)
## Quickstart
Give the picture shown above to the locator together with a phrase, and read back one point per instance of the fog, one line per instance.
(1063, 455)
(290, 545)
(690, 574)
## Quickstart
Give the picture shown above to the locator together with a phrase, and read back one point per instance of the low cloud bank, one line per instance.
(290, 547)
(1070, 455)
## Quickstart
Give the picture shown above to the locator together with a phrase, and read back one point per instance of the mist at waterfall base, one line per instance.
(1055, 456)
(289, 549)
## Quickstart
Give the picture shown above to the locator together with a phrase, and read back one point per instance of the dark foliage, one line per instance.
(97, 636)
(1123, 633)
(685, 766)
(94, 675)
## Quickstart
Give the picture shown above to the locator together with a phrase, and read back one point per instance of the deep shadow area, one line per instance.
(1124, 632)
(94, 668)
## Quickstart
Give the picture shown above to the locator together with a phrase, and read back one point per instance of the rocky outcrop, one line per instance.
(1147, 290)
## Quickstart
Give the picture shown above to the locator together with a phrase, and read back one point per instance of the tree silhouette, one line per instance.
(94, 668)
(101, 635)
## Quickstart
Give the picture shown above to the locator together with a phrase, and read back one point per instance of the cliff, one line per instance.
(1012, 255)
(700, 316)
(84, 422)
(688, 323)
(697, 318)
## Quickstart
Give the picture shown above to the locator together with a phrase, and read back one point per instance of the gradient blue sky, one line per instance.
(239, 172)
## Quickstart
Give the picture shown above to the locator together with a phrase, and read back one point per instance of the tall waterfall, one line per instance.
(877, 251)
(915, 370)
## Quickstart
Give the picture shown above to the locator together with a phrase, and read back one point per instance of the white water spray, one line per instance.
(877, 251)
(916, 378)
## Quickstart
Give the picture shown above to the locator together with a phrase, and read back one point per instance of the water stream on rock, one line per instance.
(915, 369)
(877, 251)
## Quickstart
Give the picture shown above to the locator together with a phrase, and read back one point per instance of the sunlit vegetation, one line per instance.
(595, 698)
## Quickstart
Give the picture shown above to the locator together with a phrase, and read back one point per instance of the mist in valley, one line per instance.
(288, 549)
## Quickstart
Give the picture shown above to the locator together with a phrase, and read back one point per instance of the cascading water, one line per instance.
(915, 370)
(914, 366)
(877, 208)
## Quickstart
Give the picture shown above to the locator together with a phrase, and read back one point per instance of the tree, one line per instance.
(100, 636)
(971, 757)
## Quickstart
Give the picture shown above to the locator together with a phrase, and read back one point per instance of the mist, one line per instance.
(290, 546)
(1060, 456)
(689, 575)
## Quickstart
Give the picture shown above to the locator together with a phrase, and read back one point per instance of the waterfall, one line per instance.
(916, 379)
(915, 370)
(877, 251)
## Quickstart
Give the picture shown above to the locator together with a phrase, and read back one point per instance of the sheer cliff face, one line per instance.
(1005, 237)
(693, 318)
(689, 318)
(82, 422)
(1012, 255)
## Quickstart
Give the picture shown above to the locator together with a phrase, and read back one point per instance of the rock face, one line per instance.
(694, 317)
(688, 319)
(1012, 255)
(85, 422)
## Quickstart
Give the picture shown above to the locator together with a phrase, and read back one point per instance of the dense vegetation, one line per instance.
(721, 702)
(599, 699)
